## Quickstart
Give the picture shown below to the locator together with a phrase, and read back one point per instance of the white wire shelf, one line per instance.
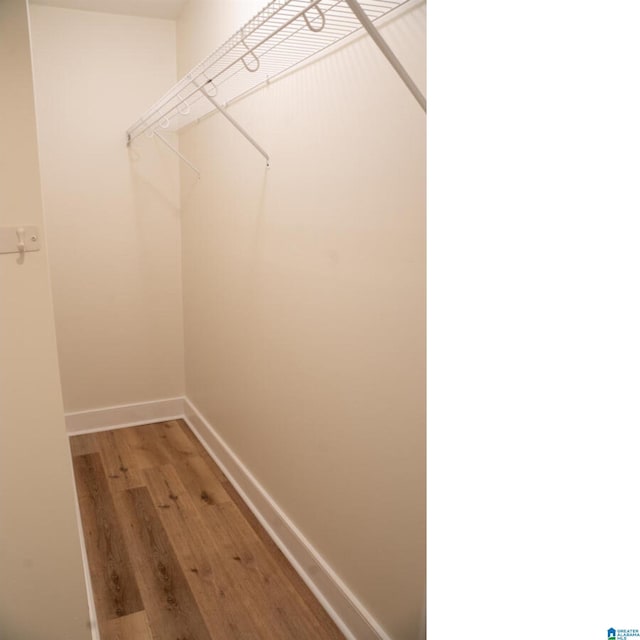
(284, 34)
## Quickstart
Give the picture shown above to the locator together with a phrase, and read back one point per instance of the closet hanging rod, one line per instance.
(284, 34)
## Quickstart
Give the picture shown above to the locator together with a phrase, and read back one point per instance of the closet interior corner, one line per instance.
(233, 200)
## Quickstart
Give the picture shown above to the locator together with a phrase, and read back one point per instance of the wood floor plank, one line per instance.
(197, 445)
(226, 610)
(114, 583)
(145, 447)
(170, 604)
(118, 460)
(201, 482)
(81, 445)
(181, 445)
(200, 476)
(242, 581)
(196, 476)
(279, 604)
(203, 566)
(330, 630)
(135, 626)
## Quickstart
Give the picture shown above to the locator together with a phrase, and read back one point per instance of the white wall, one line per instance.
(42, 590)
(112, 213)
(304, 294)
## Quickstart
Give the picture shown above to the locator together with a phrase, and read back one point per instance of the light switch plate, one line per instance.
(19, 238)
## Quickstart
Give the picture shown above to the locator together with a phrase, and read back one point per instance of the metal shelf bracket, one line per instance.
(170, 146)
(358, 11)
(234, 122)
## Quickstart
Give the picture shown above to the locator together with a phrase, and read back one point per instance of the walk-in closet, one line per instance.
(212, 319)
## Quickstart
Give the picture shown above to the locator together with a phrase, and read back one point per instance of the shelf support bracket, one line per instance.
(358, 11)
(233, 121)
(168, 144)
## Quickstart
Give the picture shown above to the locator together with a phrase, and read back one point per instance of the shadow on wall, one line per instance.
(154, 176)
(258, 236)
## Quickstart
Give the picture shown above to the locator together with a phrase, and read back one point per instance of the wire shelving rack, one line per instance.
(284, 34)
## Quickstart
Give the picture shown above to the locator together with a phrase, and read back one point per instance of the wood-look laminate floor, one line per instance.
(174, 553)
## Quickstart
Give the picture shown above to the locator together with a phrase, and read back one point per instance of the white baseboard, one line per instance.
(355, 622)
(344, 608)
(127, 415)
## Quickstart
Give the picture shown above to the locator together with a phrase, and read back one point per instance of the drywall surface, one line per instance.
(42, 589)
(112, 212)
(304, 294)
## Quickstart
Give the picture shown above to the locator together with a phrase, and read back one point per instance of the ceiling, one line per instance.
(168, 9)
